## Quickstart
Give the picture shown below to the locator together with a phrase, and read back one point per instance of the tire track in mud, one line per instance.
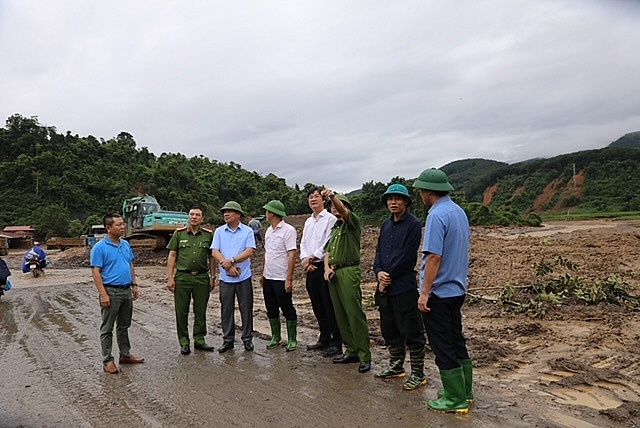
(555, 362)
(60, 337)
(30, 398)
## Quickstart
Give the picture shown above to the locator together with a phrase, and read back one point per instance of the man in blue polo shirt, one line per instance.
(114, 277)
(232, 247)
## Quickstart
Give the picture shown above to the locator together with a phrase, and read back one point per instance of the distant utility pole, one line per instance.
(574, 176)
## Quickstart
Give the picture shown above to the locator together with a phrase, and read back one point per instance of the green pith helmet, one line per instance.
(397, 189)
(233, 206)
(276, 207)
(433, 179)
(345, 201)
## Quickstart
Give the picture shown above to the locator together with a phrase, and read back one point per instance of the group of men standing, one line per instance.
(408, 303)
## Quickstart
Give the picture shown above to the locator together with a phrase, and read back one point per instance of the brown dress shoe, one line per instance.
(131, 360)
(110, 367)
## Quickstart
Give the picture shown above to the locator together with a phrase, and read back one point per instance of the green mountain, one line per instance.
(464, 172)
(631, 140)
(603, 180)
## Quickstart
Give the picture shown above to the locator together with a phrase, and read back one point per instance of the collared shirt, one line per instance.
(397, 252)
(447, 234)
(316, 234)
(192, 250)
(278, 242)
(114, 260)
(344, 244)
(231, 243)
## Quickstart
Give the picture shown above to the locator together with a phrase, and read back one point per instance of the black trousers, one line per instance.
(444, 330)
(401, 320)
(322, 306)
(276, 298)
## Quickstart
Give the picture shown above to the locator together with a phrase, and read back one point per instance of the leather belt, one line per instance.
(117, 286)
(344, 265)
(194, 272)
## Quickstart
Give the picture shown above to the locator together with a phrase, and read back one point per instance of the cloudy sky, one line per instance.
(332, 92)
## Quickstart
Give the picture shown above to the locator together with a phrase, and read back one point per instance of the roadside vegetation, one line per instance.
(554, 282)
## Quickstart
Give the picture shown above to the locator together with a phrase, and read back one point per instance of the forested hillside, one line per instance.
(62, 184)
(631, 139)
(603, 180)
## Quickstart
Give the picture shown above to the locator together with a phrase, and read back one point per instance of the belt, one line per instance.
(117, 286)
(193, 272)
(344, 265)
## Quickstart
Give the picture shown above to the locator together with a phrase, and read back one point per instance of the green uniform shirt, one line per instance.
(193, 250)
(344, 244)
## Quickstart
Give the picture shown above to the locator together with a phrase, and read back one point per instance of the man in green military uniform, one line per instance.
(342, 270)
(191, 275)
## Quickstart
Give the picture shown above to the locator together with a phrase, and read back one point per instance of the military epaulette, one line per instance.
(181, 228)
(207, 230)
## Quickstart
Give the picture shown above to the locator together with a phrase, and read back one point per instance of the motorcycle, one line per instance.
(35, 266)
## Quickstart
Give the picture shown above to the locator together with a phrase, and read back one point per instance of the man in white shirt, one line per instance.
(316, 233)
(277, 275)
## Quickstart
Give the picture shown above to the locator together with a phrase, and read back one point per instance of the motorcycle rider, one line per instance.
(35, 253)
(5, 273)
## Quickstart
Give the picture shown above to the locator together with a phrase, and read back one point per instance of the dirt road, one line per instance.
(51, 373)
(578, 367)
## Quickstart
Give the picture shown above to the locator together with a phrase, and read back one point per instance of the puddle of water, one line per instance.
(571, 422)
(584, 395)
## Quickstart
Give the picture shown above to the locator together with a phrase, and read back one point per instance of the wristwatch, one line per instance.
(233, 260)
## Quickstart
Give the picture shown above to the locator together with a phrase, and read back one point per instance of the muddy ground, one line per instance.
(577, 366)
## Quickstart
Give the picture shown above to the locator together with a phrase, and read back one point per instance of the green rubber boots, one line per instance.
(454, 393)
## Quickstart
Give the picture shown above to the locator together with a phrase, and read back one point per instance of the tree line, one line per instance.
(63, 183)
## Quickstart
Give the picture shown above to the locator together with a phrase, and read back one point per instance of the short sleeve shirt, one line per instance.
(114, 261)
(192, 249)
(278, 242)
(447, 234)
(231, 243)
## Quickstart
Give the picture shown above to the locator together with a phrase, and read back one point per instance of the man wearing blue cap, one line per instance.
(397, 293)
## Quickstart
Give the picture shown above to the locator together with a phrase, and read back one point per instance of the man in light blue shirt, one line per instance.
(443, 286)
(232, 247)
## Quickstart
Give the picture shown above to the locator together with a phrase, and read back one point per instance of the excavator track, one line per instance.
(147, 242)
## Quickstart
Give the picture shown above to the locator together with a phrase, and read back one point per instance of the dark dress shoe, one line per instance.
(346, 359)
(332, 351)
(248, 346)
(316, 346)
(225, 347)
(364, 366)
(185, 350)
(203, 347)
